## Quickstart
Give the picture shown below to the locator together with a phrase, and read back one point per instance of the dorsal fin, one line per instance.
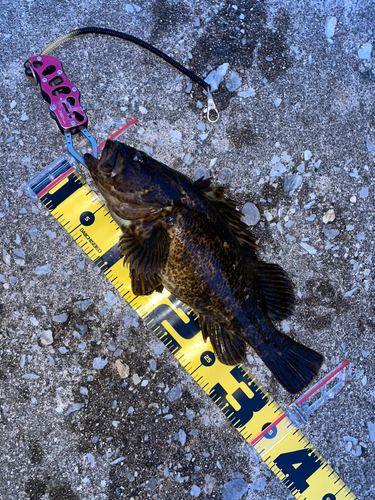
(227, 209)
(278, 290)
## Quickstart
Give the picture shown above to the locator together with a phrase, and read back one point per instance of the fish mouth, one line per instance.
(97, 167)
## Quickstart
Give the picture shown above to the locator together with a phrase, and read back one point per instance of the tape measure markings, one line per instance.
(233, 389)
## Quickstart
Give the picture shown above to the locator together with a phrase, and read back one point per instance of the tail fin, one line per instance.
(294, 365)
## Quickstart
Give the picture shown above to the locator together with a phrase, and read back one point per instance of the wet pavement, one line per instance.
(295, 143)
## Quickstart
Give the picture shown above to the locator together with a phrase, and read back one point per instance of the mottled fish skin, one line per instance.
(188, 238)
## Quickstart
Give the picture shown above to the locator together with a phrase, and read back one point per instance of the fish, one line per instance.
(188, 237)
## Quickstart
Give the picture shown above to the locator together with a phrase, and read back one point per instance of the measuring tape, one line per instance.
(272, 433)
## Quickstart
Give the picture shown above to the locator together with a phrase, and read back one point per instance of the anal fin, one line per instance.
(228, 346)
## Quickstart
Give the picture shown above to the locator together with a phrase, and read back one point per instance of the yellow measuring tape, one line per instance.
(245, 403)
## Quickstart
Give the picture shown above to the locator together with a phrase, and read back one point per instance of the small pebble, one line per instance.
(277, 170)
(110, 298)
(215, 77)
(225, 175)
(291, 183)
(6, 257)
(201, 172)
(30, 376)
(356, 451)
(182, 437)
(176, 135)
(46, 337)
(331, 233)
(209, 484)
(175, 393)
(370, 146)
(75, 407)
(195, 491)
(60, 318)
(371, 429)
(19, 252)
(329, 216)
(234, 82)
(100, 362)
(364, 52)
(51, 234)
(90, 459)
(33, 232)
(188, 159)
(123, 369)
(136, 379)
(247, 93)
(235, 489)
(42, 270)
(311, 250)
(251, 214)
(330, 26)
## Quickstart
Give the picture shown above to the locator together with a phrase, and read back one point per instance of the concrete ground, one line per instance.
(296, 137)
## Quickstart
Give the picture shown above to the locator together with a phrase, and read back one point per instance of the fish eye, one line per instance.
(139, 157)
(107, 167)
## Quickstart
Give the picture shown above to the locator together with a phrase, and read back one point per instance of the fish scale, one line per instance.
(241, 398)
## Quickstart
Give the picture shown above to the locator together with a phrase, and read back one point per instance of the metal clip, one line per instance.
(299, 411)
(211, 110)
(73, 152)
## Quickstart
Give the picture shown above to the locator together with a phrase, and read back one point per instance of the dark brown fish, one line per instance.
(185, 236)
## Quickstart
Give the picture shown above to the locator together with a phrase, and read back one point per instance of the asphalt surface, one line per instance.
(296, 138)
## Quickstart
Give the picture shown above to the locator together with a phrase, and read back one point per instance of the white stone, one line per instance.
(233, 82)
(123, 369)
(247, 93)
(100, 362)
(364, 52)
(251, 215)
(311, 250)
(216, 76)
(330, 26)
(329, 216)
(46, 337)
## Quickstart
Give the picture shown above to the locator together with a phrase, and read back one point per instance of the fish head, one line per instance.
(133, 184)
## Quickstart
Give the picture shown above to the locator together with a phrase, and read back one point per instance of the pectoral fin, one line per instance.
(145, 256)
(228, 346)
